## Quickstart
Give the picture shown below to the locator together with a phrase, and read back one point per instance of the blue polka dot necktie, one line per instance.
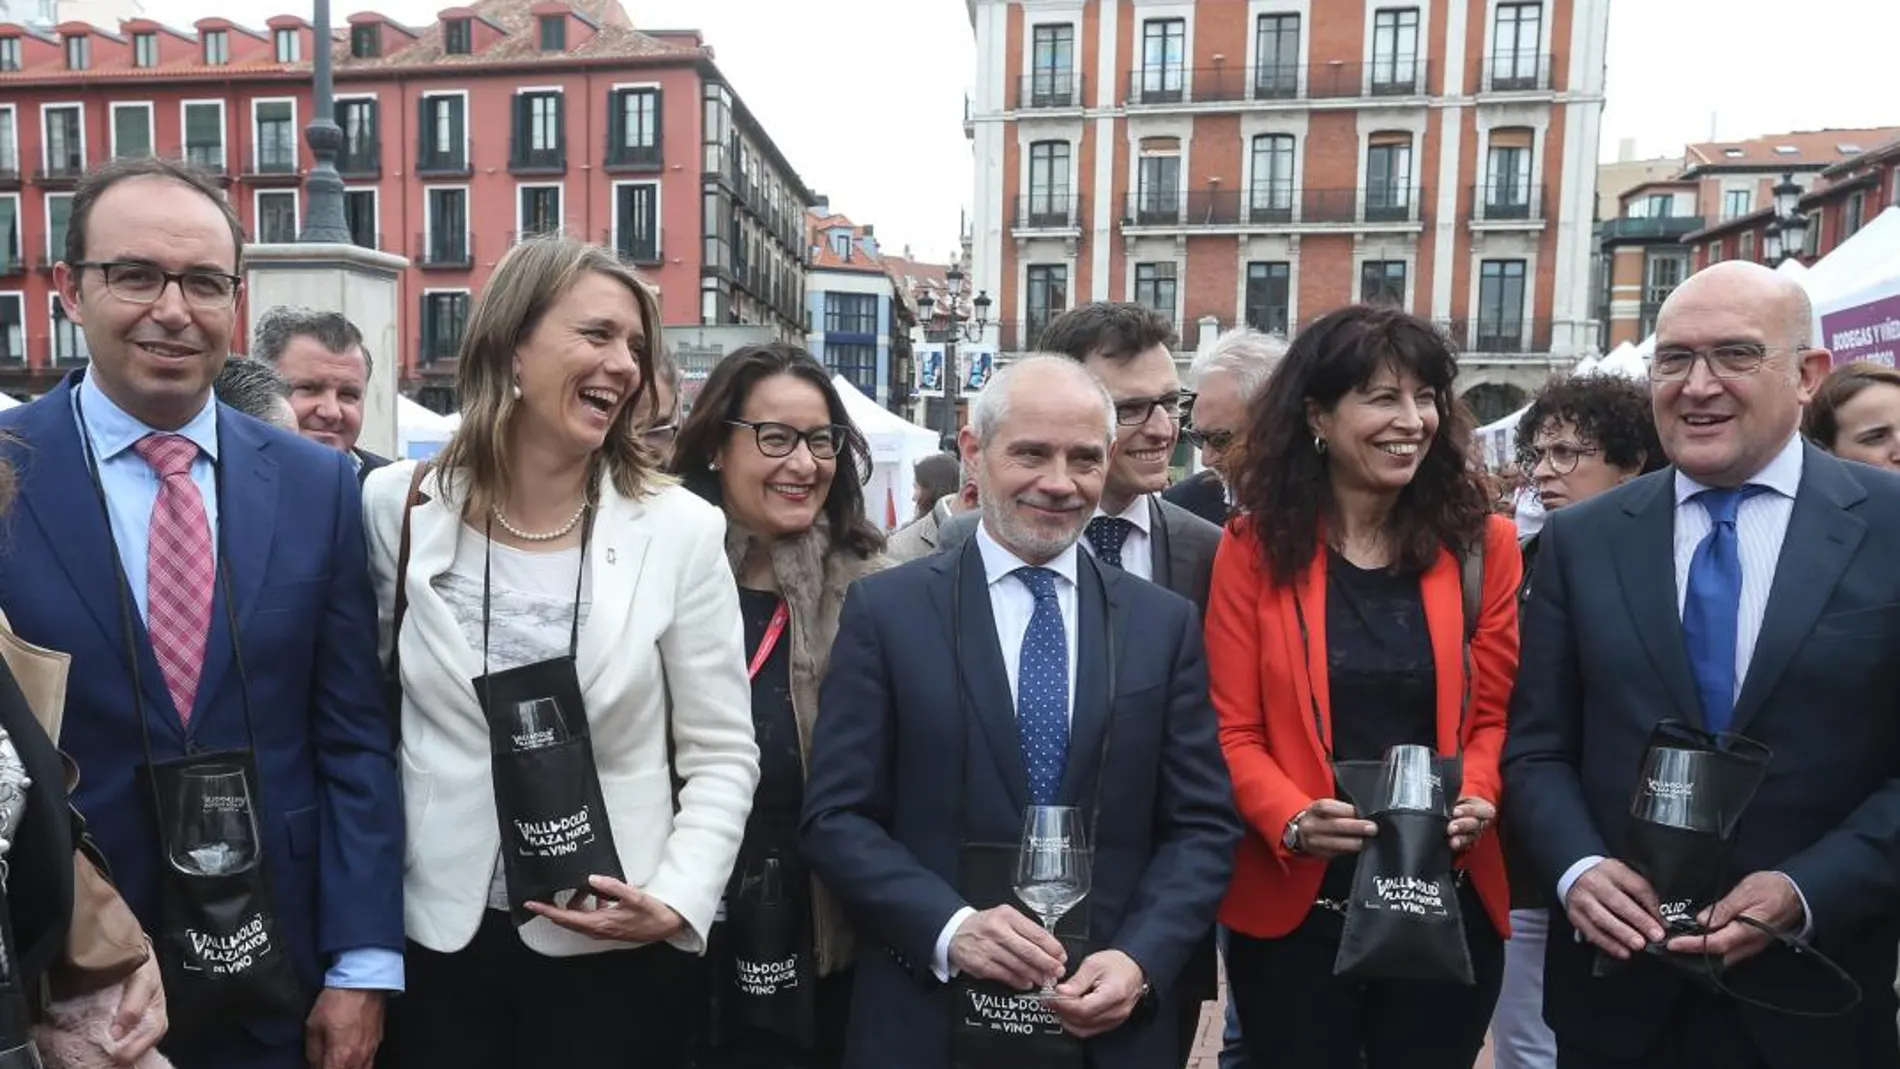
(1042, 689)
(1108, 534)
(1713, 603)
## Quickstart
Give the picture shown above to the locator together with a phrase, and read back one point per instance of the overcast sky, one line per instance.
(865, 97)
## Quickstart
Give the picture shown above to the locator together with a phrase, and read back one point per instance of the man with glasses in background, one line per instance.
(658, 415)
(1226, 379)
(1747, 588)
(140, 495)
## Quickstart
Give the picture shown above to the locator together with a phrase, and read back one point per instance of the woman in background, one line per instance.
(770, 443)
(1856, 415)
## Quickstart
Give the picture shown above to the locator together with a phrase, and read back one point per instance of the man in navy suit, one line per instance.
(1080, 685)
(1754, 587)
(150, 272)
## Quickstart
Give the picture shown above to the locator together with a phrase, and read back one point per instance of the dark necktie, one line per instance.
(1108, 534)
(1712, 605)
(1042, 689)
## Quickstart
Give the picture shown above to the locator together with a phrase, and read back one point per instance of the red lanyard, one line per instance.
(773, 631)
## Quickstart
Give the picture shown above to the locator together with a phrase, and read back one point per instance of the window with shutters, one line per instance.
(78, 52)
(69, 339)
(553, 33)
(204, 134)
(287, 45)
(446, 243)
(361, 154)
(540, 144)
(9, 53)
(359, 214)
(277, 217)
(458, 37)
(633, 131)
(444, 147)
(131, 130)
(145, 50)
(444, 317)
(13, 328)
(539, 211)
(366, 41)
(12, 249)
(637, 222)
(59, 211)
(217, 48)
(1500, 307)
(276, 137)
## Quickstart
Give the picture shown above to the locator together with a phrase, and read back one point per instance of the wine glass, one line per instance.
(1052, 866)
(1675, 791)
(217, 822)
(538, 724)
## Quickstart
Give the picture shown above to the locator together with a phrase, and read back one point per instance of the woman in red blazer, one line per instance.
(1335, 630)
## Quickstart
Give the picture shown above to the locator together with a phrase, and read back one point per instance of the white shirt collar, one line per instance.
(1136, 513)
(999, 563)
(1782, 475)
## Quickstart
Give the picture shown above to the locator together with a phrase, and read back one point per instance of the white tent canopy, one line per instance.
(896, 444)
(420, 433)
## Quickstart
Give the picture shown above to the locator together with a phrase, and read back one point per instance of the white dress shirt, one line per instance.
(1011, 606)
(1761, 525)
(1137, 558)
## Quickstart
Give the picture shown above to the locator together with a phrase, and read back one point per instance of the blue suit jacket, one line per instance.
(900, 739)
(1603, 661)
(331, 817)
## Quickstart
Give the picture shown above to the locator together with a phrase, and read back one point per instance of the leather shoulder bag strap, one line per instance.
(409, 503)
(1471, 582)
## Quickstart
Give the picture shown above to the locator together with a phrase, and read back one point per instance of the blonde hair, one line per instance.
(530, 278)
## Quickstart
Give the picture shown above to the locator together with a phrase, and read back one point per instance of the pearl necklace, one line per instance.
(547, 536)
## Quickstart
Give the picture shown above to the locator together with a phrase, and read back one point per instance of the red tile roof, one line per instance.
(1805, 149)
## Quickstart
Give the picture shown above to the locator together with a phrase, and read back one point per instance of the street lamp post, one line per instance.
(1792, 236)
(957, 326)
(323, 220)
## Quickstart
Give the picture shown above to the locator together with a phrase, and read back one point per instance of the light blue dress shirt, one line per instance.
(131, 489)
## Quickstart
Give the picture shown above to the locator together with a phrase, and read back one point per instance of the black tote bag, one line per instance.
(1403, 921)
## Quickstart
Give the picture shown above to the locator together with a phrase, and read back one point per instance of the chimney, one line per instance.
(1626, 150)
(821, 204)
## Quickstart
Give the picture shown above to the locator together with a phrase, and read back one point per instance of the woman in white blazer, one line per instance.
(542, 529)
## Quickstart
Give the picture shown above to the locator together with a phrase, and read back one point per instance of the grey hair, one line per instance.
(667, 371)
(250, 386)
(1247, 354)
(276, 327)
(992, 405)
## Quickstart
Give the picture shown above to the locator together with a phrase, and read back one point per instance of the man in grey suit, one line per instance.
(918, 538)
(1126, 347)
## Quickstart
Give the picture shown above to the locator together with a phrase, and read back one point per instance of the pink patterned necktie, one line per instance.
(178, 568)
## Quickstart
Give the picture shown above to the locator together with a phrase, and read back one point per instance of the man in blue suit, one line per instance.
(1754, 587)
(1079, 685)
(150, 272)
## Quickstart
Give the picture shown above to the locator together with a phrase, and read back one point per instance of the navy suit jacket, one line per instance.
(1603, 660)
(900, 739)
(331, 817)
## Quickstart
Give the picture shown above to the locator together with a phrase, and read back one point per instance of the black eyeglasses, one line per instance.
(1138, 410)
(1563, 457)
(777, 440)
(140, 283)
(661, 435)
(1218, 441)
(1737, 361)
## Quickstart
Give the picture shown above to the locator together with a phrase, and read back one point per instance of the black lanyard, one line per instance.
(124, 588)
(580, 579)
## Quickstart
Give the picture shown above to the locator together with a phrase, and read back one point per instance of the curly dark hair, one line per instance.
(1608, 411)
(1822, 422)
(1114, 330)
(1286, 485)
(723, 399)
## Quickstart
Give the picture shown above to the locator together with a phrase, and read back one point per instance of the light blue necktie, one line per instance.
(1713, 603)
(1042, 689)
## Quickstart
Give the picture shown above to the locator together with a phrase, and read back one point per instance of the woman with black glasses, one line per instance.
(769, 442)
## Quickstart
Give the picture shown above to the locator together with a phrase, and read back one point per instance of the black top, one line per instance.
(1383, 685)
(781, 790)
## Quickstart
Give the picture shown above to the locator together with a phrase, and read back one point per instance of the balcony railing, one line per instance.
(1507, 201)
(59, 172)
(445, 251)
(374, 241)
(1024, 335)
(1044, 211)
(1489, 335)
(525, 159)
(12, 263)
(631, 249)
(360, 161)
(1285, 207)
(52, 354)
(435, 352)
(1230, 84)
(1662, 227)
(272, 166)
(1051, 89)
(209, 158)
(9, 170)
(1515, 72)
(429, 161)
(635, 157)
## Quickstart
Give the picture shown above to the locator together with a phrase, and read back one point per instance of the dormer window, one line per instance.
(458, 37)
(9, 53)
(841, 243)
(553, 33)
(145, 50)
(1787, 150)
(217, 48)
(78, 52)
(366, 41)
(288, 45)
(1733, 153)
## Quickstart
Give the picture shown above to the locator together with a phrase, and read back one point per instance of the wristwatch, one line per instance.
(1290, 838)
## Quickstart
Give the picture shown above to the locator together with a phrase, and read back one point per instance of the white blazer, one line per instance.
(663, 608)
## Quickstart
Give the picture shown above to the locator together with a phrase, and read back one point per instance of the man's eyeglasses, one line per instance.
(1737, 361)
(1138, 410)
(1218, 441)
(1563, 457)
(661, 436)
(138, 283)
(777, 440)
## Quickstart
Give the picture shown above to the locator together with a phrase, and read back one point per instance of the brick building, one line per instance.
(1719, 205)
(502, 118)
(1267, 161)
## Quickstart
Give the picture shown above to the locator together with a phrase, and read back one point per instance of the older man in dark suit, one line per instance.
(1754, 587)
(1071, 684)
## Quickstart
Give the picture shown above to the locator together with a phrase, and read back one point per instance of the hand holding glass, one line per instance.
(1052, 866)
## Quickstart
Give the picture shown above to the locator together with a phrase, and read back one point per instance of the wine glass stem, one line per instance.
(1049, 925)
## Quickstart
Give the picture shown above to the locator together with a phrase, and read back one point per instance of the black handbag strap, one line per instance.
(1802, 949)
(393, 687)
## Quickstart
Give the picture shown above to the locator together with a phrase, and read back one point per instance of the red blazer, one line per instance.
(1260, 689)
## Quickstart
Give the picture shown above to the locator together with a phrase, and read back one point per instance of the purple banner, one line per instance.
(1869, 332)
